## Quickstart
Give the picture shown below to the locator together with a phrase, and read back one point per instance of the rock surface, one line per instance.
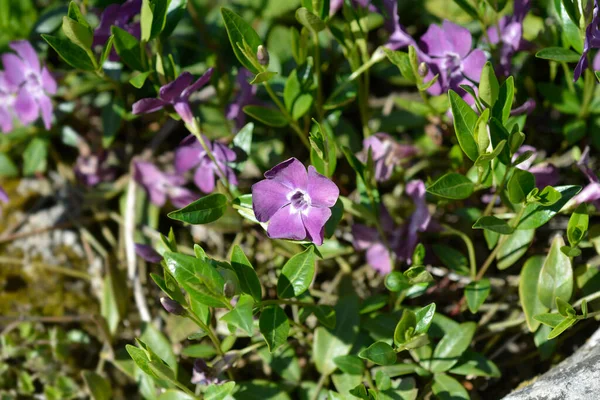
(576, 378)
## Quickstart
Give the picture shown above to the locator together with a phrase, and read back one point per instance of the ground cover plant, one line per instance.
(299, 199)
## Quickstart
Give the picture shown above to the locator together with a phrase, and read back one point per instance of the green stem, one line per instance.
(590, 315)
(499, 189)
(568, 77)
(282, 108)
(320, 385)
(470, 248)
(588, 93)
(589, 298)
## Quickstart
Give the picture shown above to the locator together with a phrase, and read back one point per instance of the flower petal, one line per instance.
(187, 157)
(3, 196)
(378, 257)
(416, 190)
(173, 90)
(46, 107)
(290, 173)
(268, 196)
(285, 225)
(14, 69)
(473, 64)
(458, 37)
(204, 177)
(6, 123)
(181, 197)
(26, 107)
(185, 112)
(363, 236)
(434, 42)
(202, 81)
(322, 191)
(145, 106)
(48, 81)
(27, 53)
(314, 222)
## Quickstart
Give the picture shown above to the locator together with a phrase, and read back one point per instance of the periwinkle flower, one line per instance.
(171, 306)
(448, 48)
(591, 192)
(8, 94)
(174, 94)
(546, 174)
(525, 108)
(119, 15)
(91, 169)
(202, 374)
(245, 96)
(591, 41)
(147, 253)
(294, 202)
(192, 155)
(398, 37)
(3, 195)
(160, 185)
(34, 82)
(386, 153)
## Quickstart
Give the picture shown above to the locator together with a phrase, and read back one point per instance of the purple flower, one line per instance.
(591, 41)
(295, 203)
(245, 96)
(8, 94)
(402, 240)
(448, 48)
(336, 5)
(24, 71)
(176, 94)
(525, 108)
(398, 38)
(91, 169)
(120, 15)
(386, 153)
(590, 193)
(171, 306)
(191, 155)
(509, 33)
(3, 195)
(160, 185)
(202, 374)
(147, 253)
(546, 174)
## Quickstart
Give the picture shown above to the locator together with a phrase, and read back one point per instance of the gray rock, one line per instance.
(576, 378)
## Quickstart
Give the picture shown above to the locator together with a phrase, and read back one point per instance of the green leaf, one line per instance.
(424, 318)
(447, 388)
(160, 345)
(472, 363)
(350, 364)
(239, 31)
(153, 18)
(563, 326)
(139, 80)
(519, 185)
(396, 281)
(8, 169)
(325, 314)
(564, 308)
(578, 225)
(97, 386)
(295, 95)
(73, 55)
(488, 86)
(75, 14)
(570, 251)
(172, 394)
(106, 50)
(202, 211)
(550, 319)
(493, 224)
(175, 12)
(379, 353)
(111, 121)
(309, 20)
(200, 279)
(502, 107)
(115, 295)
(146, 20)
(476, 293)
(451, 258)
(268, 116)
(400, 60)
(262, 77)
(274, 326)
(452, 186)
(219, 391)
(559, 54)
(468, 8)
(405, 329)
(78, 34)
(556, 276)
(548, 196)
(536, 215)
(297, 274)
(528, 289)
(246, 274)
(451, 347)
(241, 315)
(480, 132)
(465, 120)
(128, 48)
(35, 156)
(497, 5)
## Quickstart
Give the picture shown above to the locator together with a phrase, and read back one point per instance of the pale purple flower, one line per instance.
(119, 15)
(546, 174)
(191, 155)
(591, 41)
(175, 94)
(245, 96)
(336, 5)
(3, 195)
(448, 48)
(34, 82)
(147, 253)
(160, 185)
(590, 193)
(171, 306)
(91, 169)
(295, 203)
(202, 374)
(386, 153)
(8, 94)
(402, 240)
(509, 34)
(398, 37)
(525, 108)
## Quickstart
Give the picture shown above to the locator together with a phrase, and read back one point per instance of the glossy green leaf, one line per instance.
(447, 388)
(160, 345)
(559, 54)
(472, 363)
(556, 276)
(564, 308)
(550, 319)
(405, 329)
(396, 281)
(563, 326)
(578, 225)
(379, 353)
(488, 85)
(172, 394)
(493, 224)
(73, 55)
(466, 6)
(503, 105)
(465, 120)
(476, 293)
(548, 196)
(452, 258)
(241, 315)
(519, 185)
(240, 31)
(205, 210)
(97, 386)
(309, 20)
(424, 318)
(139, 80)
(451, 347)
(128, 48)
(452, 186)
(528, 289)
(350, 364)
(296, 95)
(78, 34)
(536, 215)
(268, 116)
(400, 60)
(219, 391)
(35, 156)
(480, 133)
(274, 326)
(297, 274)
(246, 274)
(262, 77)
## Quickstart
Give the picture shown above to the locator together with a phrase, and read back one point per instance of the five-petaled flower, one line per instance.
(121, 16)
(31, 83)
(295, 203)
(191, 155)
(160, 185)
(449, 55)
(176, 94)
(246, 96)
(386, 153)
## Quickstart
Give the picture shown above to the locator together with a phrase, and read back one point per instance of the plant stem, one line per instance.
(499, 189)
(588, 298)
(282, 108)
(470, 248)
(320, 385)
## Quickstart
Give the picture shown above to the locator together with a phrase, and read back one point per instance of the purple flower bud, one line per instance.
(147, 253)
(172, 306)
(295, 203)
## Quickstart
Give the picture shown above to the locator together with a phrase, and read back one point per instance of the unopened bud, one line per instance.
(263, 55)
(229, 289)
(172, 306)
(423, 69)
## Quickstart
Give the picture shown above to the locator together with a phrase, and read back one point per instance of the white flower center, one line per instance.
(299, 202)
